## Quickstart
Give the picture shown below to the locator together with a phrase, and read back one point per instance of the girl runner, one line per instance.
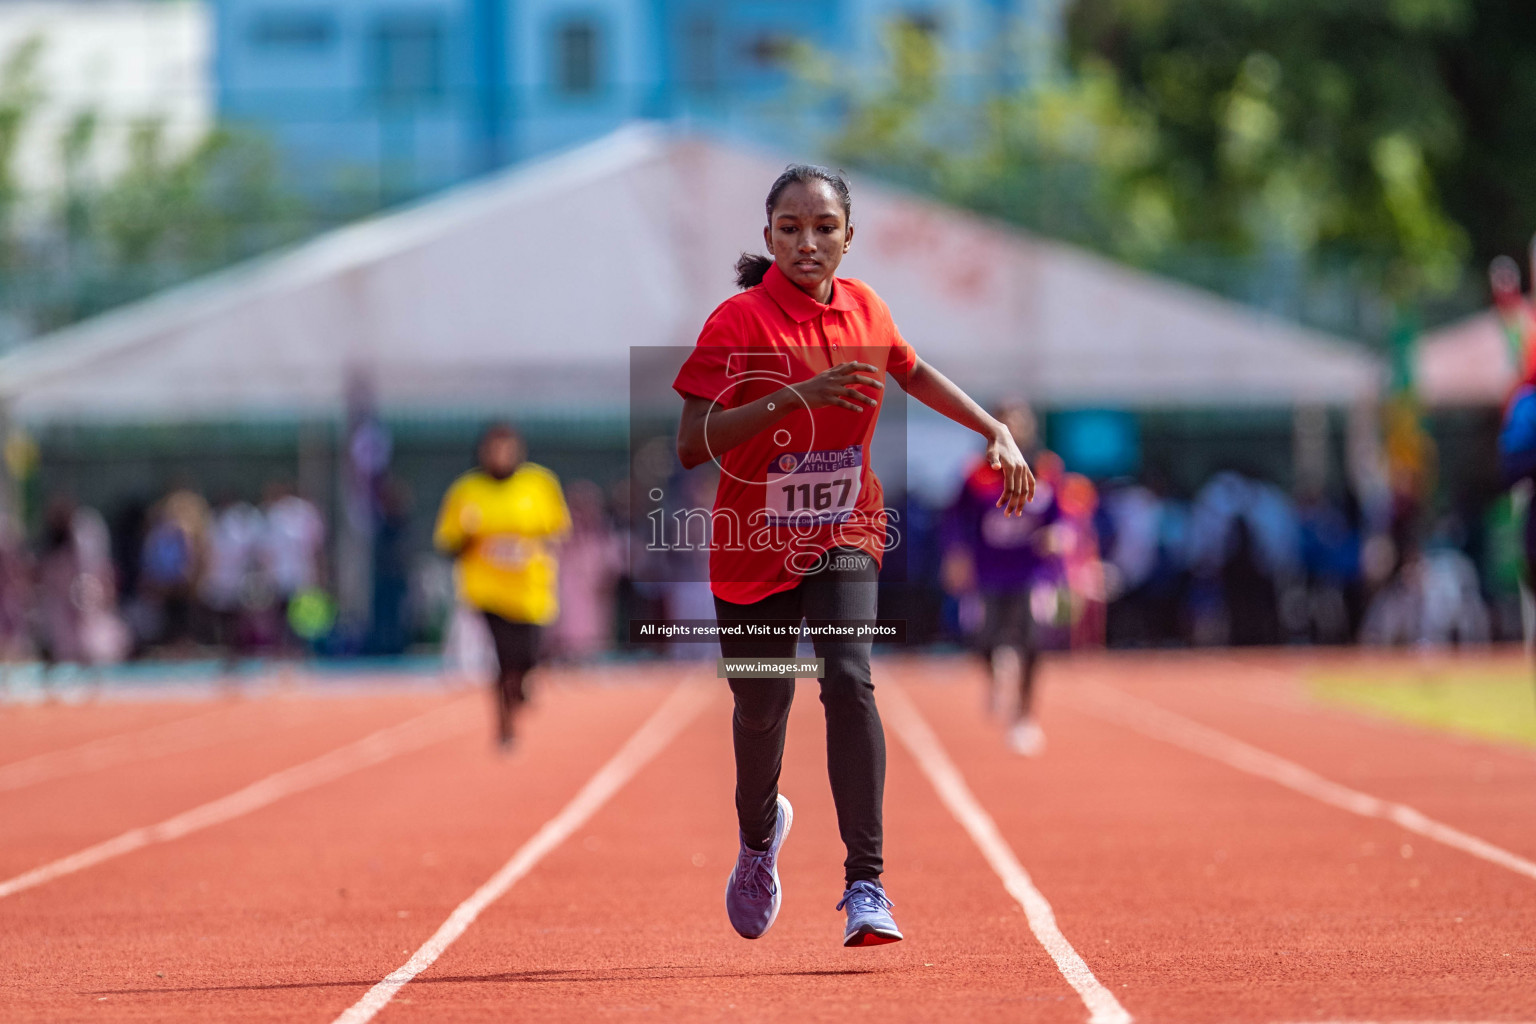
(783, 390)
(1003, 560)
(500, 522)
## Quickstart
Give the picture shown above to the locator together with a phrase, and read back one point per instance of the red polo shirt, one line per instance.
(805, 484)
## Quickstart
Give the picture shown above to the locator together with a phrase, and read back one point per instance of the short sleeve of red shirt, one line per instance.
(903, 358)
(705, 374)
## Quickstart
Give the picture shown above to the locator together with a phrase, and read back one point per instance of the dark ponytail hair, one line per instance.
(751, 267)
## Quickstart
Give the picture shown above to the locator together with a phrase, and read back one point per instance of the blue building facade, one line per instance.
(399, 97)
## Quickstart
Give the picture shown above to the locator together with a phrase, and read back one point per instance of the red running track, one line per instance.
(1193, 891)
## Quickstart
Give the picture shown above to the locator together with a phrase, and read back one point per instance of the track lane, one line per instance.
(32, 730)
(436, 725)
(176, 735)
(1201, 894)
(682, 705)
(627, 920)
(51, 820)
(292, 912)
(1484, 788)
(1222, 897)
(952, 789)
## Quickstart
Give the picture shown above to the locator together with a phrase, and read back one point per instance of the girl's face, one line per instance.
(807, 236)
(500, 454)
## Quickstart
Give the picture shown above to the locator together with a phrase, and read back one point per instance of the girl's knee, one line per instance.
(847, 685)
(761, 714)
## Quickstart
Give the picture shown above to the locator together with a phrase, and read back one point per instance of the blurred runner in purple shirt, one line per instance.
(1001, 559)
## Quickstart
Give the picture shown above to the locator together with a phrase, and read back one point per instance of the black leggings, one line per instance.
(517, 651)
(1010, 622)
(845, 591)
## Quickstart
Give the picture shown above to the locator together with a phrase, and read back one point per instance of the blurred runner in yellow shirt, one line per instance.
(500, 522)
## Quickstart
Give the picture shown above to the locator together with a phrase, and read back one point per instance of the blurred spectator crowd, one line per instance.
(1240, 562)
(175, 577)
(1244, 563)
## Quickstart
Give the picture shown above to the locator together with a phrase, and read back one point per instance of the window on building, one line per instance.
(576, 58)
(771, 49)
(922, 22)
(408, 59)
(293, 29)
(701, 68)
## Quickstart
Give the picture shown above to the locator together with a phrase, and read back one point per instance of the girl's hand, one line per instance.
(835, 387)
(1018, 481)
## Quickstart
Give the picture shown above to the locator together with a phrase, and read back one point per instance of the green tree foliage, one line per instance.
(19, 97)
(1490, 71)
(187, 209)
(1322, 126)
(1369, 153)
(1057, 157)
(173, 212)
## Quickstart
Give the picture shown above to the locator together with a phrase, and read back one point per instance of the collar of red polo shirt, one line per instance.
(797, 304)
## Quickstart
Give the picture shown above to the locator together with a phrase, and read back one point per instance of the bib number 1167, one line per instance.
(815, 486)
(818, 497)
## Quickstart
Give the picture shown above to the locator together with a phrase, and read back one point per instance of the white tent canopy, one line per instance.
(1465, 363)
(524, 292)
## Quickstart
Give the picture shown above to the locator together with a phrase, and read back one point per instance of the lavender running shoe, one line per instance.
(869, 915)
(752, 893)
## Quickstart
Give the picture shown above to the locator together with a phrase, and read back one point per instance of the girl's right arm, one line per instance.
(706, 430)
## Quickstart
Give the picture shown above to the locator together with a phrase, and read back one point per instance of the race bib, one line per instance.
(814, 487)
(505, 552)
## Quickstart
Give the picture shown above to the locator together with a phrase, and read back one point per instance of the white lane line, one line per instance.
(412, 734)
(915, 734)
(1157, 722)
(175, 737)
(685, 702)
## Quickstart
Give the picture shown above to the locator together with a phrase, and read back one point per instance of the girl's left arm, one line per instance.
(942, 395)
